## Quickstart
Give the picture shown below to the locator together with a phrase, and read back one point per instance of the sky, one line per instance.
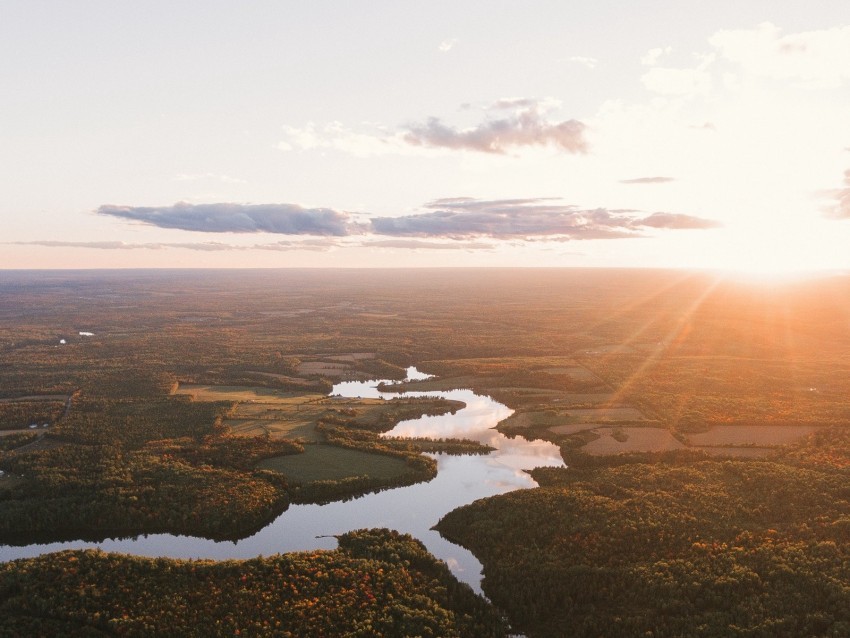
(669, 133)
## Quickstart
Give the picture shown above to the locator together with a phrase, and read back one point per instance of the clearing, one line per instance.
(572, 428)
(751, 435)
(576, 373)
(330, 463)
(616, 440)
(243, 394)
(601, 415)
(324, 369)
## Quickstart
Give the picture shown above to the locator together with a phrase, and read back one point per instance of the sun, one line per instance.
(767, 263)
(768, 267)
(775, 254)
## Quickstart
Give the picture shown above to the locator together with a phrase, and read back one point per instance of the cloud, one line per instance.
(525, 127)
(458, 218)
(841, 208)
(513, 103)
(417, 244)
(120, 245)
(194, 177)
(677, 81)
(653, 55)
(810, 60)
(677, 221)
(335, 136)
(285, 219)
(447, 45)
(323, 244)
(100, 245)
(464, 218)
(647, 180)
(313, 245)
(814, 59)
(590, 63)
(206, 246)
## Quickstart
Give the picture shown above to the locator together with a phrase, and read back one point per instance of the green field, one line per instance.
(330, 463)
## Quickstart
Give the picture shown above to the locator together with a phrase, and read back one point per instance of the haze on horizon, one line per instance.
(282, 134)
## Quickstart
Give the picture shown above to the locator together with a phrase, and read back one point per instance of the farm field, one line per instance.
(757, 435)
(243, 394)
(624, 439)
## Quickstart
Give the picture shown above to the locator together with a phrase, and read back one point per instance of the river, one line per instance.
(412, 509)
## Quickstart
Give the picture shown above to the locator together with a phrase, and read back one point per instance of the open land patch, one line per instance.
(531, 419)
(327, 462)
(586, 398)
(18, 431)
(756, 435)
(572, 428)
(323, 368)
(8, 481)
(601, 415)
(287, 313)
(204, 393)
(500, 365)
(287, 379)
(352, 357)
(737, 452)
(577, 373)
(624, 439)
(294, 430)
(555, 396)
(614, 348)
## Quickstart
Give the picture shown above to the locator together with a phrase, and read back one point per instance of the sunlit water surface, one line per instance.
(413, 509)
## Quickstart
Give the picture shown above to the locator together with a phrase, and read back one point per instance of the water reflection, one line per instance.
(413, 509)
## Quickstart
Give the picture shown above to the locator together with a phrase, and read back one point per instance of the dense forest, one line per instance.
(674, 547)
(378, 583)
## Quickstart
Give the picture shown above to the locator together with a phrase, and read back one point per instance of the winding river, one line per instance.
(413, 509)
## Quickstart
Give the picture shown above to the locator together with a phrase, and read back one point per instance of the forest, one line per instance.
(674, 547)
(378, 583)
(702, 420)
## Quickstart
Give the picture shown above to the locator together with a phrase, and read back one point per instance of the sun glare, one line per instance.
(769, 269)
(769, 255)
(767, 264)
(771, 277)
